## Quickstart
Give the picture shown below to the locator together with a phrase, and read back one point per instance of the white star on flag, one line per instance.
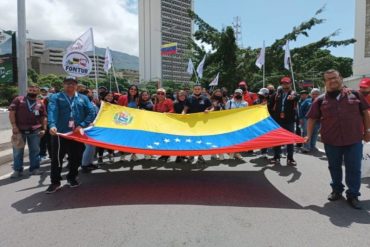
(188, 140)
(199, 142)
(156, 143)
(150, 146)
(209, 143)
(214, 146)
(177, 140)
(167, 140)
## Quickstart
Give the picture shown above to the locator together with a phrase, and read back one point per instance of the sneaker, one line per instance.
(201, 159)
(238, 156)
(133, 157)
(221, 157)
(122, 158)
(52, 188)
(275, 161)
(334, 196)
(110, 159)
(36, 172)
(305, 150)
(147, 157)
(179, 159)
(264, 156)
(354, 202)
(214, 157)
(16, 174)
(231, 156)
(163, 158)
(73, 183)
(291, 162)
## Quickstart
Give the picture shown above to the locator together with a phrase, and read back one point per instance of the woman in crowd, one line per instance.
(178, 106)
(263, 98)
(315, 92)
(106, 97)
(163, 104)
(236, 102)
(130, 100)
(218, 104)
(145, 103)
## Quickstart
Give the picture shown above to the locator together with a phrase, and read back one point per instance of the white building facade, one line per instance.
(162, 22)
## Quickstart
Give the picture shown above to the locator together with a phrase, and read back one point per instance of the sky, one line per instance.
(115, 22)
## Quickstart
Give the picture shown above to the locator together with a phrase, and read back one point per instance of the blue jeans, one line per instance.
(304, 133)
(290, 147)
(314, 136)
(352, 156)
(88, 156)
(33, 142)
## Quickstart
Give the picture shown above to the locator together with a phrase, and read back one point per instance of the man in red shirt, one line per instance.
(343, 114)
(365, 88)
(248, 96)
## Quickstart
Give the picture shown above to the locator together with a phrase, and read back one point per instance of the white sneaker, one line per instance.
(122, 158)
(16, 174)
(231, 156)
(238, 156)
(133, 157)
(221, 157)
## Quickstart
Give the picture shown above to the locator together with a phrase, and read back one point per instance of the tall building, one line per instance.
(99, 66)
(361, 62)
(162, 22)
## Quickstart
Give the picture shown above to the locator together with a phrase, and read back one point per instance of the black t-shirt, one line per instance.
(195, 104)
(179, 106)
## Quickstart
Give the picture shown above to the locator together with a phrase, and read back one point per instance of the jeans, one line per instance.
(33, 142)
(304, 133)
(290, 147)
(60, 147)
(352, 156)
(88, 155)
(314, 136)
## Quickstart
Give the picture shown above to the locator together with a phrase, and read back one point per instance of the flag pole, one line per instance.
(264, 65)
(292, 72)
(95, 61)
(196, 76)
(110, 81)
(114, 75)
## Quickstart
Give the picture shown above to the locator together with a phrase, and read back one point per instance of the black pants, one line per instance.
(290, 147)
(45, 144)
(61, 147)
(101, 151)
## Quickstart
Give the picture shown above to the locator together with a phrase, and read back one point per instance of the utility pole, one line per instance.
(237, 25)
(21, 47)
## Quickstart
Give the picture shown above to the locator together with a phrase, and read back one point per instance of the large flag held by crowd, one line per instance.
(128, 130)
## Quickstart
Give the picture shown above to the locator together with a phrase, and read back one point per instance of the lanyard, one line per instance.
(285, 95)
(29, 105)
(71, 103)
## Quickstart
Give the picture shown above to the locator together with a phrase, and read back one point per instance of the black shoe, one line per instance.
(179, 159)
(52, 188)
(334, 196)
(73, 183)
(100, 160)
(291, 162)
(163, 158)
(354, 202)
(201, 159)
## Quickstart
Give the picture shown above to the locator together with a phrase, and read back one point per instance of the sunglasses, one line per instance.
(160, 93)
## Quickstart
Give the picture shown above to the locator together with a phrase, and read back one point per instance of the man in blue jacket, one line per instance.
(68, 111)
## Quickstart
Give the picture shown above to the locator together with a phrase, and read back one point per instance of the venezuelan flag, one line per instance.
(169, 49)
(144, 132)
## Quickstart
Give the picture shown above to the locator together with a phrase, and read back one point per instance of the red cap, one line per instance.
(242, 83)
(364, 83)
(285, 80)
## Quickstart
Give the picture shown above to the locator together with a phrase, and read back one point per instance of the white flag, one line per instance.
(215, 81)
(84, 43)
(261, 58)
(4, 37)
(190, 67)
(107, 60)
(200, 68)
(287, 56)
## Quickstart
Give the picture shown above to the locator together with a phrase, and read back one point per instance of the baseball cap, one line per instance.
(364, 83)
(238, 91)
(263, 92)
(70, 79)
(303, 92)
(285, 80)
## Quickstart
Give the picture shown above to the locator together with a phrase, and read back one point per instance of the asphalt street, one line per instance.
(149, 203)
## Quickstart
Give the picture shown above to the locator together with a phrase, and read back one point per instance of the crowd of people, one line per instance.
(340, 114)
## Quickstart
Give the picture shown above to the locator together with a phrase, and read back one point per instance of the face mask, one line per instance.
(31, 95)
(238, 97)
(243, 88)
(334, 94)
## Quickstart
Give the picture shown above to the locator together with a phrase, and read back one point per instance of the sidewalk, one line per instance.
(6, 152)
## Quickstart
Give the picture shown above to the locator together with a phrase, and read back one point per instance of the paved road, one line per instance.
(155, 204)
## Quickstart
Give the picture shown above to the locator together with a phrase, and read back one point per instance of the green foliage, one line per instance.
(235, 64)
(7, 94)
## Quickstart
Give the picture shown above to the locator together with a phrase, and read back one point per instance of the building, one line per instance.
(361, 62)
(132, 76)
(162, 22)
(100, 67)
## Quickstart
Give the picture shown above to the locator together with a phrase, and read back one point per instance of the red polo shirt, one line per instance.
(341, 118)
(164, 106)
(26, 119)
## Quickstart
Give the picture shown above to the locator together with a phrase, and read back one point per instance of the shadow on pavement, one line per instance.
(212, 188)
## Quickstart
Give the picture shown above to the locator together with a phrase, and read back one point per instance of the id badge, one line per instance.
(282, 115)
(36, 112)
(71, 124)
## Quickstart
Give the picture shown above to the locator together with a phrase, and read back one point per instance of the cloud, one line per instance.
(115, 22)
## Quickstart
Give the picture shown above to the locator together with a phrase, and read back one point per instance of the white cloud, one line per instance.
(115, 22)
